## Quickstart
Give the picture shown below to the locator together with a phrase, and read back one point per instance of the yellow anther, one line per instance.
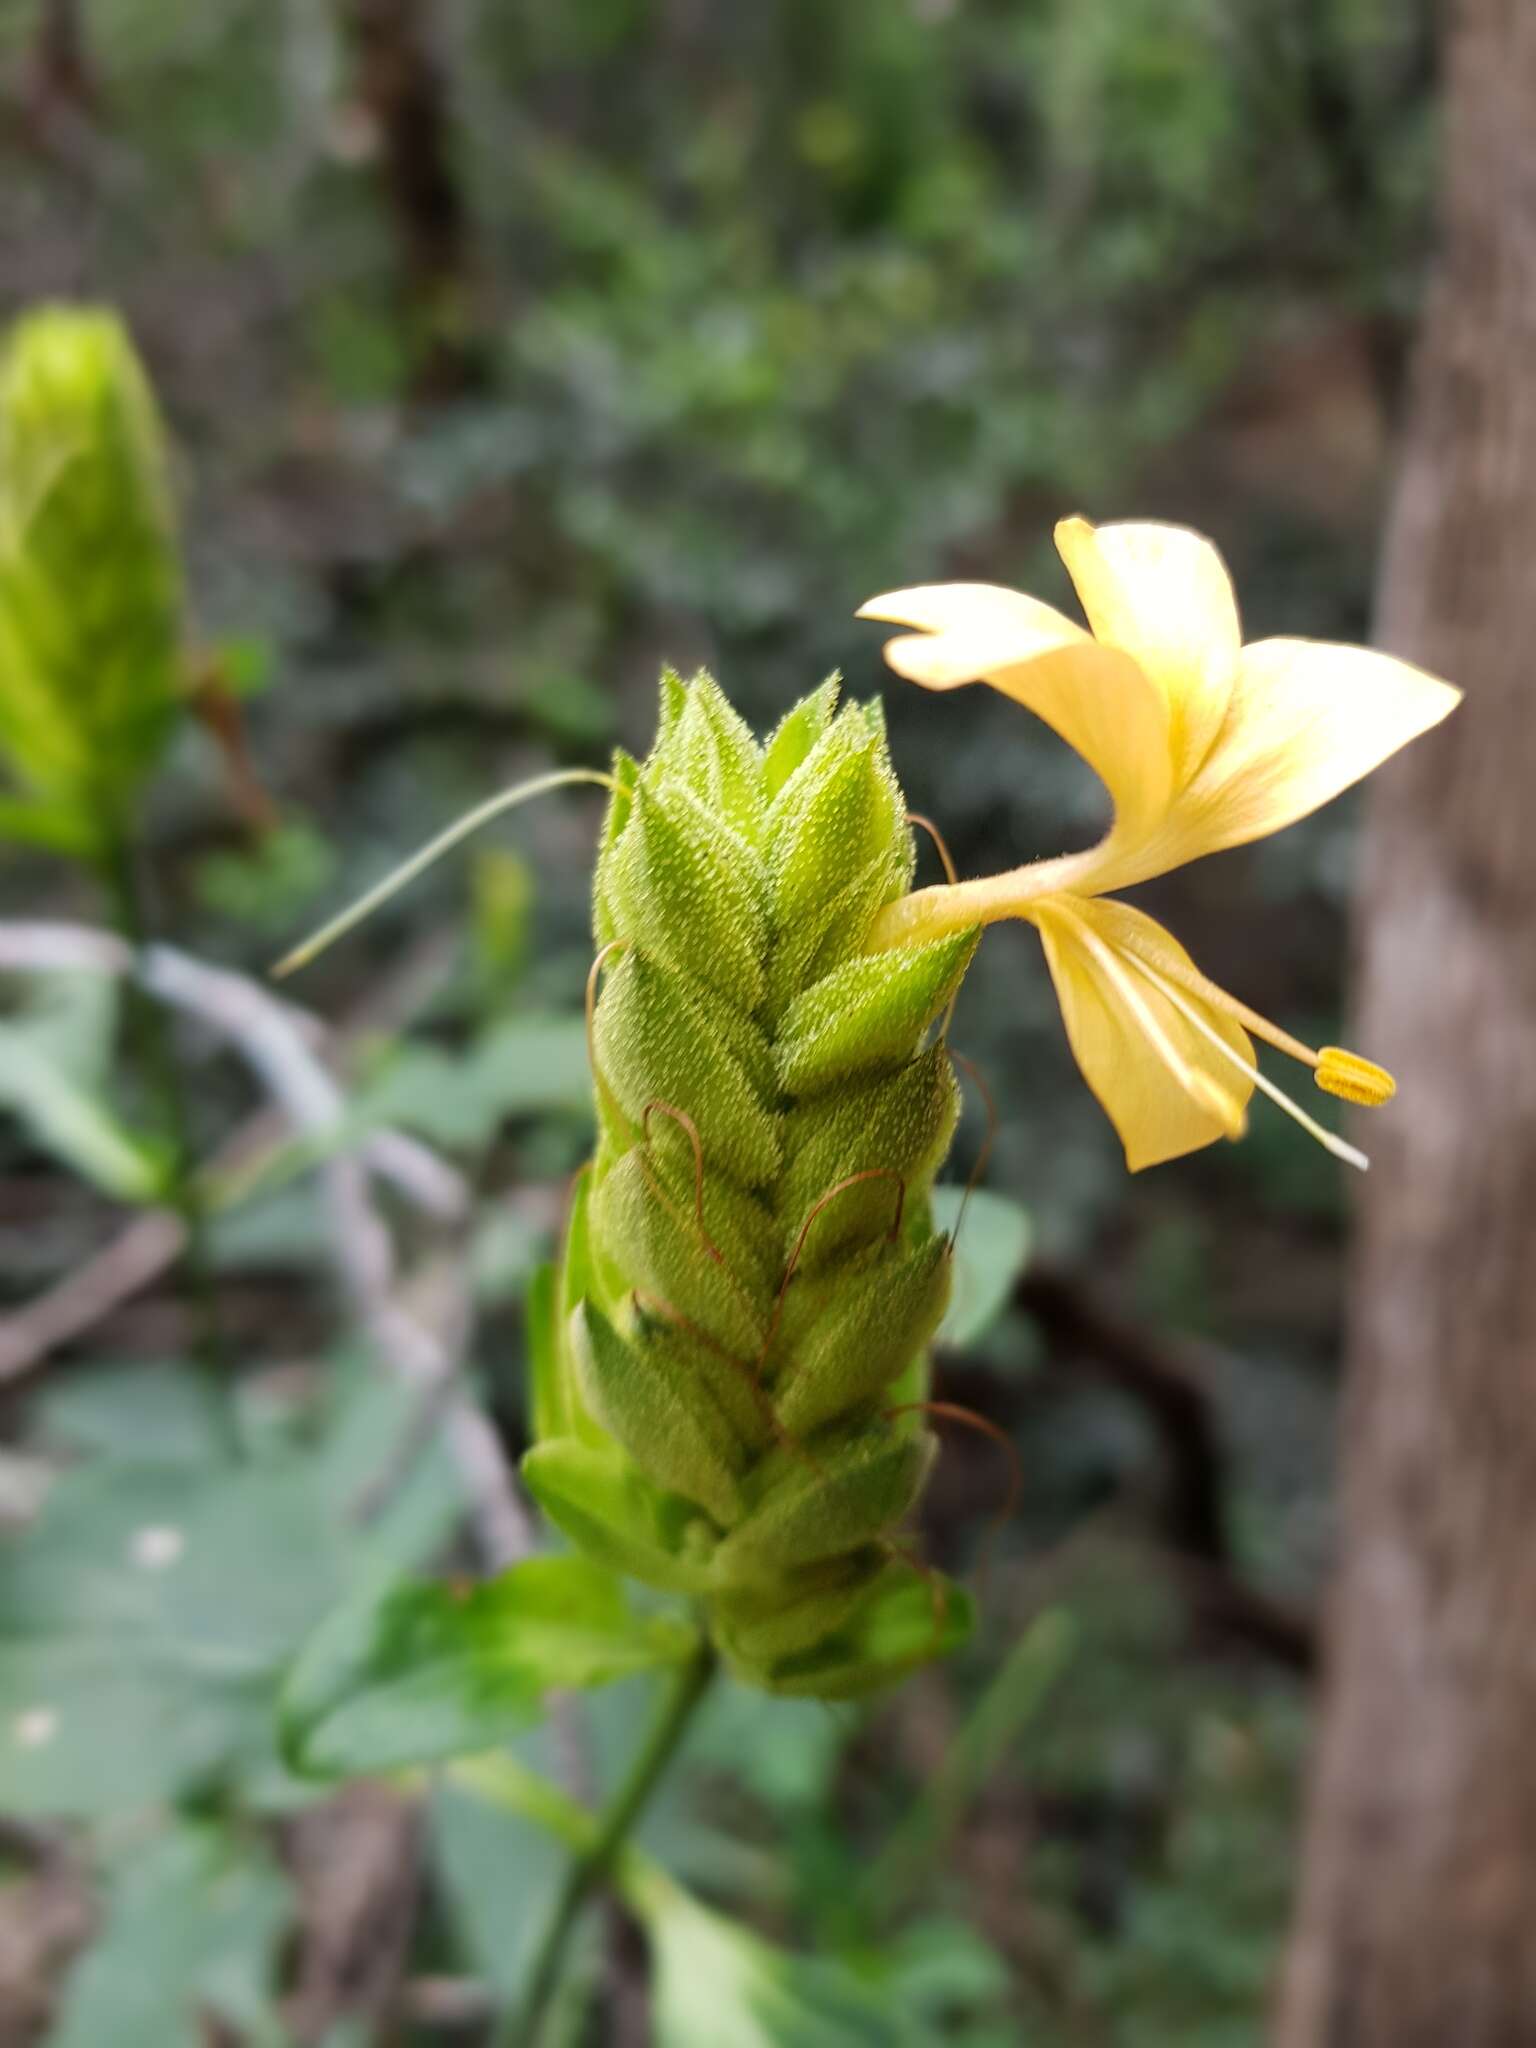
(1357, 1080)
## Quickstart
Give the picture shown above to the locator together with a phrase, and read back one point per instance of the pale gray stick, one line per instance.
(278, 1042)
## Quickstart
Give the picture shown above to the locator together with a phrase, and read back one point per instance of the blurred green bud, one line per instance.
(504, 892)
(90, 589)
(726, 1372)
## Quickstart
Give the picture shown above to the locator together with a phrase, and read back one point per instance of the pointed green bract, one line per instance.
(751, 1275)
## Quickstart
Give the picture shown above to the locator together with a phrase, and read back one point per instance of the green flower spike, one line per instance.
(730, 1367)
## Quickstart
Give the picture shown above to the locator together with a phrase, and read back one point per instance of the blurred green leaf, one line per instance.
(571, 709)
(55, 1074)
(148, 1612)
(517, 1068)
(504, 1257)
(717, 1985)
(154, 1414)
(424, 1672)
(269, 886)
(54, 827)
(953, 1982)
(503, 894)
(991, 1251)
(1009, 1703)
(74, 1123)
(245, 663)
(144, 1617)
(193, 1930)
(478, 1847)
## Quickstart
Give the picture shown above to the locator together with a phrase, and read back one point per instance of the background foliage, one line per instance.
(625, 331)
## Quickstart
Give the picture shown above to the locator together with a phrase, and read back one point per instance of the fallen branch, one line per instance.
(264, 1031)
(280, 1042)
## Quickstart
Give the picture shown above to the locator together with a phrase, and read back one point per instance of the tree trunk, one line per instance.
(1417, 1920)
(401, 83)
(63, 78)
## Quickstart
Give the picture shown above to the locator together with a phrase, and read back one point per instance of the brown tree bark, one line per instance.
(1417, 1919)
(63, 76)
(401, 83)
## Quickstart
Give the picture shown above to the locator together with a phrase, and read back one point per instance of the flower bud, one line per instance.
(90, 595)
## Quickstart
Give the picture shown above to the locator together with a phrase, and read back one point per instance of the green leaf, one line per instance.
(73, 1123)
(142, 1621)
(521, 1067)
(269, 884)
(154, 1414)
(477, 1849)
(193, 1931)
(54, 826)
(990, 1253)
(548, 1403)
(73, 1014)
(425, 1672)
(1011, 1701)
(716, 1985)
(147, 1613)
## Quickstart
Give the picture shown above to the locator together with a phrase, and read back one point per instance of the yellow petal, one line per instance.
(1096, 697)
(1220, 1022)
(1162, 594)
(1162, 1083)
(978, 608)
(1307, 718)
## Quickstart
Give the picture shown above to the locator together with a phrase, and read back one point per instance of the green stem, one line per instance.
(151, 1030)
(591, 1865)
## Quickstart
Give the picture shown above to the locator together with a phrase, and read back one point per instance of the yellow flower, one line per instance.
(1202, 743)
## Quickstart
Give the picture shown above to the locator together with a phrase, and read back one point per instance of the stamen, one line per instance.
(1325, 1138)
(1355, 1079)
(1208, 991)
